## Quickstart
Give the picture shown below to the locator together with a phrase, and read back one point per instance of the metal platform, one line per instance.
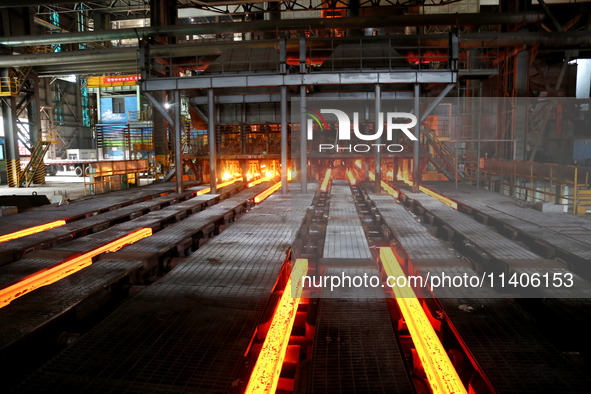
(39, 308)
(569, 235)
(187, 332)
(13, 249)
(83, 207)
(499, 252)
(355, 348)
(39, 260)
(345, 238)
(417, 242)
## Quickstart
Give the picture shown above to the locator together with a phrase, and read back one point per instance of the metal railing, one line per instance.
(105, 176)
(533, 181)
(329, 54)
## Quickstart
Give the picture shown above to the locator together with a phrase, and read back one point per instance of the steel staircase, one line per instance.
(442, 157)
(35, 168)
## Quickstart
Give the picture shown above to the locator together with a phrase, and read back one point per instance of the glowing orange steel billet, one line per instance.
(261, 180)
(231, 181)
(324, 186)
(31, 230)
(265, 374)
(261, 196)
(203, 191)
(437, 196)
(68, 267)
(442, 376)
(208, 189)
(390, 190)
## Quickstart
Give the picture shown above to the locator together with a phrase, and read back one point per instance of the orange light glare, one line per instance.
(265, 374)
(390, 190)
(385, 186)
(68, 267)
(441, 374)
(351, 177)
(231, 181)
(208, 189)
(31, 230)
(409, 183)
(390, 175)
(261, 196)
(358, 163)
(203, 191)
(261, 180)
(324, 185)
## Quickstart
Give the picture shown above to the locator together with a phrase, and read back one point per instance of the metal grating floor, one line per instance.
(345, 238)
(510, 350)
(417, 242)
(82, 207)
(479, 234)
(355, 348)
(38, 260)
(567, 232)
(187, 332)
(26, 314)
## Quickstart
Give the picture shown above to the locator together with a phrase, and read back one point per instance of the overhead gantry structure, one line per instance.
(307, 57)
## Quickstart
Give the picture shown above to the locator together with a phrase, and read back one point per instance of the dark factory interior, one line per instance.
(300, 196)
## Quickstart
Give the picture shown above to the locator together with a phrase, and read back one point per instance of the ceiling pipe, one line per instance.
(484, 39)
(280, 25)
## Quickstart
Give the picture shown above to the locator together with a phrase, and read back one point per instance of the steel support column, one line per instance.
(416, 172)
(159, 129)
(211, 140)
(13, 164)
(377, 126)
(284, 139)
(303, 141)
(178, 151)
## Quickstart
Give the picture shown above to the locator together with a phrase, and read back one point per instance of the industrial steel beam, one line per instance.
(178, 152)
(284, 139)
(378, 159)
(211, 141)
(303, 141)
(466, 19)
(334, 78)
(238, 99)
(416, 155)
(275, 97)
(159, 107)
(436, 102)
